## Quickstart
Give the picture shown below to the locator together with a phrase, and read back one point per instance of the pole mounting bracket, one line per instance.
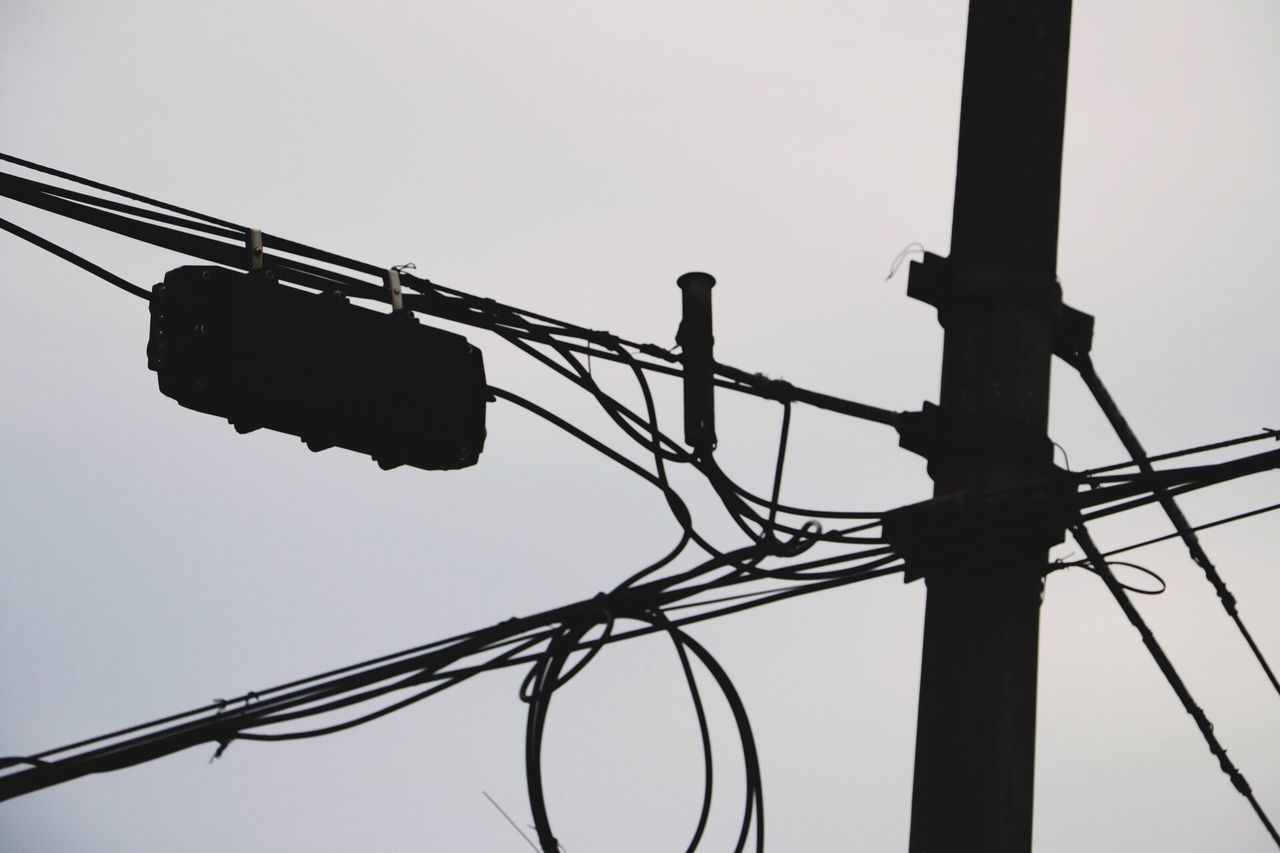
(975, 529)
(946, 282)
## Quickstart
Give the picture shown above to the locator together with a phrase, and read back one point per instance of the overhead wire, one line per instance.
(1165, 538)
(67, 255)
(871, 563)
(1084, 365)
(433, 298)
(1189, 451)
(224, 721)
(67, 176)
(1103, 570)
(517, 639)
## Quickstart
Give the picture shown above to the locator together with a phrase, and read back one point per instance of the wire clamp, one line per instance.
(393, 285)
(254, 240)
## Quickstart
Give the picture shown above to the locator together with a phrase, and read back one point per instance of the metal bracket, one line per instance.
(936, 281)
(393, 287)
(932, 433)
(696, 343)
(254, 240)
(965, 529)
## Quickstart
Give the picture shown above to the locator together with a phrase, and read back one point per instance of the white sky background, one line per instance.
(573, 159)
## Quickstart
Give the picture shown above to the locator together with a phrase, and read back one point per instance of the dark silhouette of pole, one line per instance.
(998, 302)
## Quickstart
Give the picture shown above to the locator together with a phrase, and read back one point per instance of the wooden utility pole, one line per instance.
(999, 303)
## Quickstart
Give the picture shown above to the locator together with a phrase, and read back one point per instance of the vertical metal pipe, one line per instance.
(696, 344)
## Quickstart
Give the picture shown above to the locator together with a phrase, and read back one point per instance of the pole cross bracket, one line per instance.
(934, 433)
(972, 530)
(945, 283)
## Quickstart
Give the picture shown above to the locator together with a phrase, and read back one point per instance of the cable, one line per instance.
(224, 721)
(27, 164)
(1151, 488)
(1198, 527)
(666, 449)
(1088, 566)
(567, 631)
(546, 680)
(1103, 570)
(1084, 364)
(784, 432)
(435, 299)
(1203, 448)
(31, 187)
(68, 255)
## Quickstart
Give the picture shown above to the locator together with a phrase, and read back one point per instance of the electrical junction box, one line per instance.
(267, 356)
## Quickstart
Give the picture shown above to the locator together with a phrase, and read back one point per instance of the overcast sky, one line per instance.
(574, 158)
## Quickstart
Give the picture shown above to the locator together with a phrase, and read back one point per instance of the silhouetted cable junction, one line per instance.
(789, 553)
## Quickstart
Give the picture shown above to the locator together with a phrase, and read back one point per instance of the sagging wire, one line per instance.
(666, 450)
(1089, 567)
(428, 660)
(445, 302)
(545, 678)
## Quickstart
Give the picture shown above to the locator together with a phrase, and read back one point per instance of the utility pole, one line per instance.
(999, 303)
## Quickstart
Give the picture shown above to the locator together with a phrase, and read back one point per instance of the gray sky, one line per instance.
(574, 158)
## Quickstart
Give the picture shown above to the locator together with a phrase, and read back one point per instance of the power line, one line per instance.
(1103, 570)
(1198, 527)
(548, 641)
(1203, 448)
(1084, 364)
(68, 255)
(27, 164)
(434, 299)
(224, 721)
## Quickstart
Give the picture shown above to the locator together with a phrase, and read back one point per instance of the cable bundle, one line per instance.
(557, 644)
